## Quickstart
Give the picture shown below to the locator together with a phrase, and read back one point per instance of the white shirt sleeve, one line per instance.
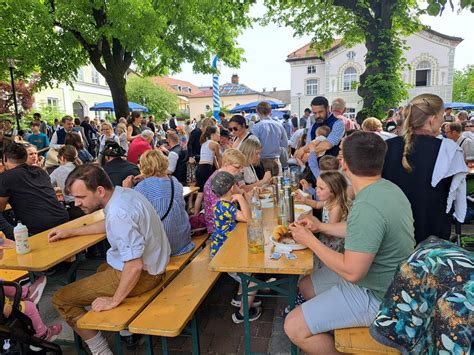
(172, 161)
(54, 142)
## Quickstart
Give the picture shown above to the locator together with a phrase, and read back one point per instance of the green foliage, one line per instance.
(182, 116)
(48, 114)
(56, 37)
(156, 98)
(463, 85)
(436, 7)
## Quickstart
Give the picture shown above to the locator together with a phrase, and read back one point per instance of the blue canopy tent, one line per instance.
(459, 105)
(252, 106)
(109, 106)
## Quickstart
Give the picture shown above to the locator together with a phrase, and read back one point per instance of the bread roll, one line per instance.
(281, 234)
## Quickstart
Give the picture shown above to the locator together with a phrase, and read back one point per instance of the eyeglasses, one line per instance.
(234, 129)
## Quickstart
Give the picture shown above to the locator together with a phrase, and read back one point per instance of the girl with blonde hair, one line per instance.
(121, 132)
(251, 149)
(410, 163)
(331, 188)
(233, 162)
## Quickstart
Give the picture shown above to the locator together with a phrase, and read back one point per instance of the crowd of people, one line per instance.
(377, 190)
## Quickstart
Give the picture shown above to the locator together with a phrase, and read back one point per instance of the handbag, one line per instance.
(171, 201)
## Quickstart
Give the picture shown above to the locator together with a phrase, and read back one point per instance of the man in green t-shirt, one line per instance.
(379, 234)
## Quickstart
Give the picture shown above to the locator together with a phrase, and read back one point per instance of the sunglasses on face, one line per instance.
(234, 129)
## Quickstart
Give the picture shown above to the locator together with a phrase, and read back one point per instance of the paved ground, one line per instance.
(218, 334)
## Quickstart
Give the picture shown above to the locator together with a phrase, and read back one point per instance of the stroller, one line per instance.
(16, 331)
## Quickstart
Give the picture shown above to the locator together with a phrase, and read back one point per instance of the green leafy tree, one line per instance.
(56, 37)
(463, 85)
(380, 24)
(156, 98)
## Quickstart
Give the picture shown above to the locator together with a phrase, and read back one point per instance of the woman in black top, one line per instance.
(134, 128)
(410, 162)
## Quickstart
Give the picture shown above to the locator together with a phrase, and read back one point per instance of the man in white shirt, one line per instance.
(136, 260)
(453, 130)
(58, 138)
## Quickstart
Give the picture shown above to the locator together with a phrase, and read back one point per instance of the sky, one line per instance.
(268, 69)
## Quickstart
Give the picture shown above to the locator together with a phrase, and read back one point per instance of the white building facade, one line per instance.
(430, 59)
(89, 89)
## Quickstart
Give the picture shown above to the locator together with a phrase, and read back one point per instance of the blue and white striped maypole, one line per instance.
(216, 64)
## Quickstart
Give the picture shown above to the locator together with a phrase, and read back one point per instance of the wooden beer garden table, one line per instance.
(234, 256)
(44, 255)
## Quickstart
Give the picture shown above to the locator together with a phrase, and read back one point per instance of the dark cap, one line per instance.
(113, 149)
(222, 182)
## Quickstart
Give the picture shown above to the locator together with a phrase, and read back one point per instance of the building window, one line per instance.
(80, 75)
(311, 87)
(350, 78)
(95, 76)
(423, 74)
(351, 55)
(350, 113)
(53, 102)
(311, 69)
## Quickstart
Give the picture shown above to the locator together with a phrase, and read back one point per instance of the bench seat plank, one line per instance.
(168, 314)
(118, 318)
(13, 275)
(359, 341)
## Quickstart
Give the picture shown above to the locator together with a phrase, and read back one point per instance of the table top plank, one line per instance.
(235, 257)
(188, 190)
(45, 255)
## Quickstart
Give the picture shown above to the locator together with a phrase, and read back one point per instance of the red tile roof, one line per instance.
(171, 84)
(306, 52)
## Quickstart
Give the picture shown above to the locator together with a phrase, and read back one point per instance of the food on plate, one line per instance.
(282, 235)
(300, 210)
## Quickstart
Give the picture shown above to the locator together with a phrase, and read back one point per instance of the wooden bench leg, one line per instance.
(118, 343)
(195, 336)
(164, 345)
(148, 344)
(78, 344)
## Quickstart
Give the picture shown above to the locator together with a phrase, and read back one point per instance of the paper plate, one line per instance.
(287, 247)
(301, 210)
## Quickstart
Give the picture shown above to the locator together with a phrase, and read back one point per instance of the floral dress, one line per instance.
(428, 308)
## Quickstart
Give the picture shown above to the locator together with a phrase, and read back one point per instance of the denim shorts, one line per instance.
(338, 303)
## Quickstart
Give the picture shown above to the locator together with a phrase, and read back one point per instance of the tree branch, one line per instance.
(352, 6)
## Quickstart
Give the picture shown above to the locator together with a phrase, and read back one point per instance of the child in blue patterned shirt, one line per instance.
(226, 212)
(226, 216)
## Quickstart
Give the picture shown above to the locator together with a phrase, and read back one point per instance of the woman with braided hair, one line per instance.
(410, 163)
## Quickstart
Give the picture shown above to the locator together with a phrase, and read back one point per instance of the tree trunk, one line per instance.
(378, 84)
(119, 95)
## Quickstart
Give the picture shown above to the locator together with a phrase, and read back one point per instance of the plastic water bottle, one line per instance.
(286, 177)
(22, 243)
(255, 237)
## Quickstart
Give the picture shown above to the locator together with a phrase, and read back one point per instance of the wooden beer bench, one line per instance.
(119, 318)
(173, 310)
(359, 341)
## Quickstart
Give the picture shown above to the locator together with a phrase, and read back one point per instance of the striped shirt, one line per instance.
(157, 190)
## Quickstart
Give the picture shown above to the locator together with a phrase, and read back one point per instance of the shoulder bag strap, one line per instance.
(171, 200)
